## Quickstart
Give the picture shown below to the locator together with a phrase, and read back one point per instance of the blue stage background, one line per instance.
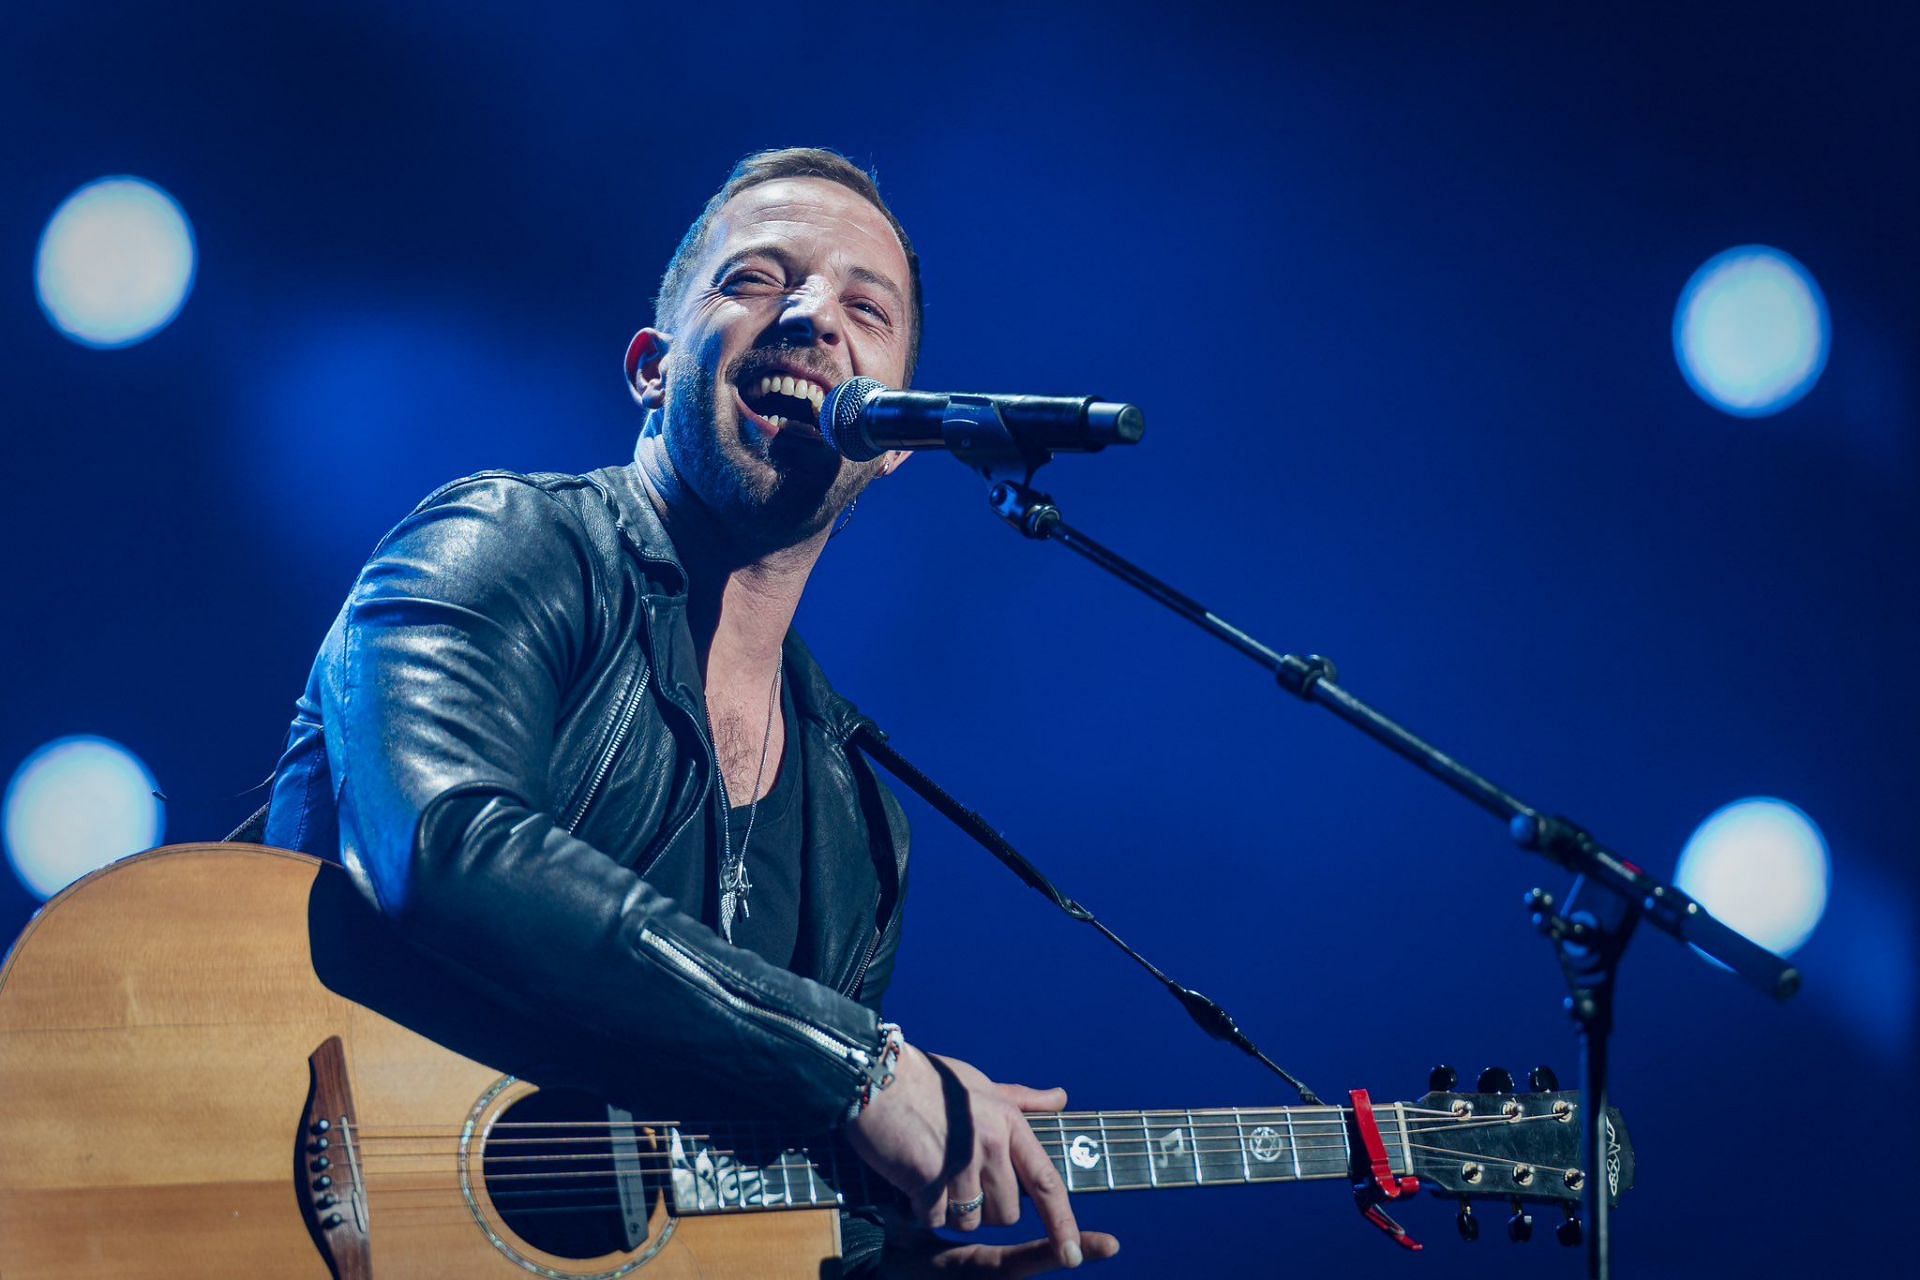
(1394, 289)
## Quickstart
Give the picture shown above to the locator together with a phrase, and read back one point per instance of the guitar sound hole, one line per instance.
(549, 1169)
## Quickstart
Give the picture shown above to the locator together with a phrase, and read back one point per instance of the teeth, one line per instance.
(797, 388)
(777, 420)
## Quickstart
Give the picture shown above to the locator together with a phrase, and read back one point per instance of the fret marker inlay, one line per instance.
(1171, 1144)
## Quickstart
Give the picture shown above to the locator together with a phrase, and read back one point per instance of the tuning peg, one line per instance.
(1496, 1080)
(1543, 1080)
(1570, 1232)
(1520, 1225)
(1468, 1224)
(1442, 1079)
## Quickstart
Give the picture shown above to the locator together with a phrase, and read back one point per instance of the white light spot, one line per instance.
(1760, 865)
(1751, 331)
(75, 805)
(115, 263)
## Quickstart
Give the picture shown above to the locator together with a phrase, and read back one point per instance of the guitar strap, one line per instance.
(253, 830)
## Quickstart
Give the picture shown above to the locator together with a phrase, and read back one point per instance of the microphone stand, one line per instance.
(1610, 895)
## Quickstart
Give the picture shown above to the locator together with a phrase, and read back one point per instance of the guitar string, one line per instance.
(1421, 1118)
(767, 1202)
(601, 1147)
(396, 1178)
(644, 1161)
(787, 1163)
(1112, 1123)
(1055, 1146)
(1049, 1142)
(1312, 1114)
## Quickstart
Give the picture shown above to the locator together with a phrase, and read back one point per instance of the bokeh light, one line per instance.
(1751, 331)
(75, 805)
(1760, 865)
(115, 262)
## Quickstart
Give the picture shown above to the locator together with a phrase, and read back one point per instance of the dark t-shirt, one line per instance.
(770, 925)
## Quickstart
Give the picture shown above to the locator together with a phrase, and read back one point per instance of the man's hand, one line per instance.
(943, 1133)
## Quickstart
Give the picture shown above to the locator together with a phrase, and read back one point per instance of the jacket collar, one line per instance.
(640, 525)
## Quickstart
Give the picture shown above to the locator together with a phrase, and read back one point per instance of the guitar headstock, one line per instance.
(1511, 1147)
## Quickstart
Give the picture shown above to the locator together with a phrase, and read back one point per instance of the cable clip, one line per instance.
(1372, 1175)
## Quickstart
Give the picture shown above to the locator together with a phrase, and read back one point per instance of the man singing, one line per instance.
(563, 735)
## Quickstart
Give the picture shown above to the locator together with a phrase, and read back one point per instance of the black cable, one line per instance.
(1212, 1019)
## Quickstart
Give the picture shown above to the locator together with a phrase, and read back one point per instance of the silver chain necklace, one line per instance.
(734, 881)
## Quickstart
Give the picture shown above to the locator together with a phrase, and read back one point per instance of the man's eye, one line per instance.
(871, 310)
(749, 277)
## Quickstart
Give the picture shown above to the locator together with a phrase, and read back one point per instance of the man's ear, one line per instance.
(645, 375)
(896, 459)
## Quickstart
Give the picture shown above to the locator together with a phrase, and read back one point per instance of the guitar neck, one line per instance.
(1092, 1150)
(1148, 1150)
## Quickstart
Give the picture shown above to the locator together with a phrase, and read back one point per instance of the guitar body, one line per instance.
(159, 1026)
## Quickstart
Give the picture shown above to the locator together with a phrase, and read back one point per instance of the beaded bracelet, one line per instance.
(880, 1069)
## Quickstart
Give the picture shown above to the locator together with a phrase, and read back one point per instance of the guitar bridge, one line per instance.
(326, 1167)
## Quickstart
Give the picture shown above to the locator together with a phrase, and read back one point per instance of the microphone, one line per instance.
(864, 418)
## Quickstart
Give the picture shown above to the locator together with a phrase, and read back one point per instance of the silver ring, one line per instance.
(961, 1208)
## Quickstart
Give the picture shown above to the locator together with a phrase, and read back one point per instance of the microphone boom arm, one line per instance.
(1589, 930)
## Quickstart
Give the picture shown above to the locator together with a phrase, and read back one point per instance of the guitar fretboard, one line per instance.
(1142, 1150)
(1093, 1151)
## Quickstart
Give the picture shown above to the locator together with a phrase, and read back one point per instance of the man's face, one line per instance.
(802, 285)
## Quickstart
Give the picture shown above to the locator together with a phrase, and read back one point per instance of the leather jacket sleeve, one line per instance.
(458, 646)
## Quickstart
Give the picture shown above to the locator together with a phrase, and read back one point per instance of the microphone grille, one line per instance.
(840, 417)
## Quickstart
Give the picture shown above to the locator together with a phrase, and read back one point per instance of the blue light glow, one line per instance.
(1751, 331)
(1760, 865)
(75, 805)
(115, 263)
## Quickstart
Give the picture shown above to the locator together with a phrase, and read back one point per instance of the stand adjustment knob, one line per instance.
(1468, 1224)
(1496, 1080)
(1520, 1225)
(1543, 1080)
(1442, 1079)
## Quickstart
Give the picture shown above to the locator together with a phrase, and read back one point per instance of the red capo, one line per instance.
(1372, 1173)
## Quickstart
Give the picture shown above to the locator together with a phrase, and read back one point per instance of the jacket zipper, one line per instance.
(700, 802)
(852, 989)
(613, 748)
(684, 962)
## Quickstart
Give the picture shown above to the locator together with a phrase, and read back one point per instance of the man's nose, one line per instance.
(811, 315)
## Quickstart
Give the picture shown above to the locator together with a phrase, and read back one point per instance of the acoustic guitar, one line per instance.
(215, 1061)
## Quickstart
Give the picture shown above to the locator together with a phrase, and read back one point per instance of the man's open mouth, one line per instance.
(783, 401)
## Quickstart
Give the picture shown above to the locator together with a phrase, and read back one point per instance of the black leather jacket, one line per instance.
(503, 736)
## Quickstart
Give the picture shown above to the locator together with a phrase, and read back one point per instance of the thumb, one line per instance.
(1034, 1099)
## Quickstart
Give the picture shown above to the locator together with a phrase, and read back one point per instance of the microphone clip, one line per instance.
(977, 435)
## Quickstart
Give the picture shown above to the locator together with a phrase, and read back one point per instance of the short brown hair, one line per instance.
(770, 166)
